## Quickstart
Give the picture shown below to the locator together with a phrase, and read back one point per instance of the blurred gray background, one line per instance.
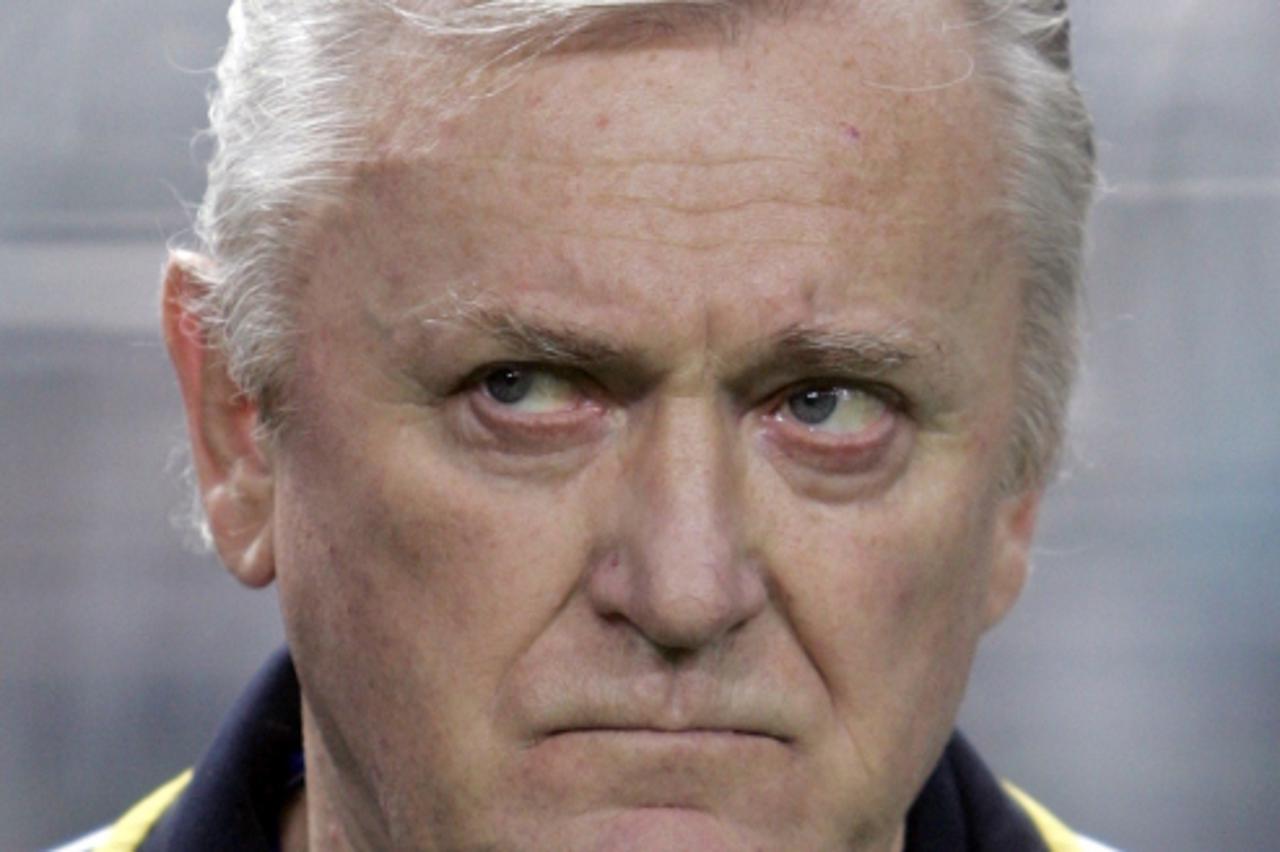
(1136, 689)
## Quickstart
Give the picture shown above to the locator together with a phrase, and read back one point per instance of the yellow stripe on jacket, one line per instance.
(130, 830)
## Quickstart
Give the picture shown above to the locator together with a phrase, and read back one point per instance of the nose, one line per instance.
(681, 575)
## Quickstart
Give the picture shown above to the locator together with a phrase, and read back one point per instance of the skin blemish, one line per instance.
(602, 121)
(809, 294)
(851, 133)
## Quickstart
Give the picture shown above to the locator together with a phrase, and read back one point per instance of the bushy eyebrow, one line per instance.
(820, 353)
(792, 352)
(539, 339)
(837, 351)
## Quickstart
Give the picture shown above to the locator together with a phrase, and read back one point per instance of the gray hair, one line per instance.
(289, 125)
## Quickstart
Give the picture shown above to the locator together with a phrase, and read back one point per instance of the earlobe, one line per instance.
(234, 474)
(1016, 523)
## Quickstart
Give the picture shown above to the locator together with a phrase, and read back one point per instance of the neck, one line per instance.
(293, 823)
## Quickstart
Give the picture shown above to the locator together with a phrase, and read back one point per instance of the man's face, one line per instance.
(641, 490)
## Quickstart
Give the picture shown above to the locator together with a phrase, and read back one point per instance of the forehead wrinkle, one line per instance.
(732, 233)
(596, 160)
(495, 214)
(678, 183)
(658, 202)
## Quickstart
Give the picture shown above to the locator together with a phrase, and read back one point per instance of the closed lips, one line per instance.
(671, 732)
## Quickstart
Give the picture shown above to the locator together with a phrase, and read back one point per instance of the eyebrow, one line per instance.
(797, 349)
(840, 351)
(539, 339)
(807, 352)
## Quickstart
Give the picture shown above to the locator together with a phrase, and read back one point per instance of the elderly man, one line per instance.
(641, 407)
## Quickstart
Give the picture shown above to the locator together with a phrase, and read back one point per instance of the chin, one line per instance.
(649, 828)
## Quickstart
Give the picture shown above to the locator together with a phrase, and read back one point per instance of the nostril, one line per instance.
(676, 616)
(674, 656)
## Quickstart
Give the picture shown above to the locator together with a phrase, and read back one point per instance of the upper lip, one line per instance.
(693, 703)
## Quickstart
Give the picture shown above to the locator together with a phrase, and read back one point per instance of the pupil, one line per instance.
(508, 385)
(813, 406)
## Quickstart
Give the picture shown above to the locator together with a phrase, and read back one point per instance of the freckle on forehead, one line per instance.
(809, 295)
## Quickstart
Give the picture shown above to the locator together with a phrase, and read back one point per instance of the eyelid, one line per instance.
(486, 424)
(579, 379)
(861, 453)
(584, 406)
(892, 398)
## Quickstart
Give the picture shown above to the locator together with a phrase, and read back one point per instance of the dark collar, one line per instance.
(235, 796)
(963, 808)
(239, 786)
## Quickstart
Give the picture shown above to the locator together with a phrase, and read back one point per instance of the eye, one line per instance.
(530, 390)
(838, 410)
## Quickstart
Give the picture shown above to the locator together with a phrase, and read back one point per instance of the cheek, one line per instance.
(396, 564)
(886, 597)
(387, 538)
(883, 602)
(410, 589)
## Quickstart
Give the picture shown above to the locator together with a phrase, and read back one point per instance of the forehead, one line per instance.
(905, 68)
(840, 144)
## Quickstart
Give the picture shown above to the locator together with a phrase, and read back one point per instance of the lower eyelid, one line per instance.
(835, 453)
(580, 423)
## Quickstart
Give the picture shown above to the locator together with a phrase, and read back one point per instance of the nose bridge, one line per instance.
(683, 578)
(686, 481)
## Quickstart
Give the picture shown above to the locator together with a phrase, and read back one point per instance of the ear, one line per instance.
(1015, 527)
(234, 474)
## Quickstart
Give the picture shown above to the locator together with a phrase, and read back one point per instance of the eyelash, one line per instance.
(887, 395)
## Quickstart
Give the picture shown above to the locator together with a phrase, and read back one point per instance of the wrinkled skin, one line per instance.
(641, 488)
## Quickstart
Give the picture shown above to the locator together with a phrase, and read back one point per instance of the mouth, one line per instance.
(670, 735)
(643, 768)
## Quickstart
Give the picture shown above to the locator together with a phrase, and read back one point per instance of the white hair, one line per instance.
(290, 124)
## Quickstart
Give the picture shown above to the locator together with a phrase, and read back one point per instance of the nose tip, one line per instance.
(678, 606)
(681, 575)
